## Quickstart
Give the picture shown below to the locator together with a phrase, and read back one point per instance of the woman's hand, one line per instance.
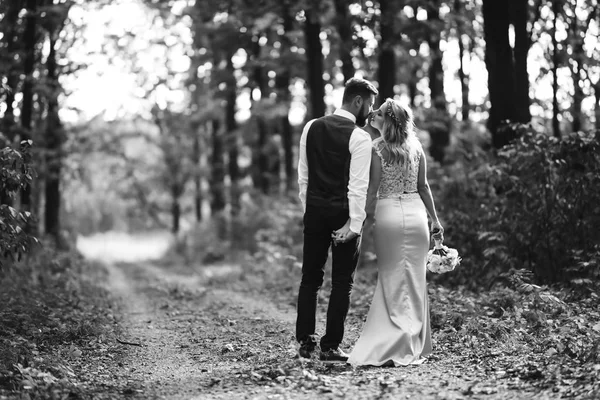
(437, 230)
(343, 234)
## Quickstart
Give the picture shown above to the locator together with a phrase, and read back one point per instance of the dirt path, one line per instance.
(209, 333)
(227, 332)
(193, 338)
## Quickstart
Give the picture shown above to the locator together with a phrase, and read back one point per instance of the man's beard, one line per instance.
(361, 120)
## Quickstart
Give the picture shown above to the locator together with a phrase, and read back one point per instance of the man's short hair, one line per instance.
(358, 87)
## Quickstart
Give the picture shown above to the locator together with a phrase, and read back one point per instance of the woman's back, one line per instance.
(396, 179)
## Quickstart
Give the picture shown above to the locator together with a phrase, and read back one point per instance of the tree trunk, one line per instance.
(499, 63)
(314, 55)
(519, 10)
(288, 151)
(343, 23)
(175, 207)
(386, 74)
(578, 94)
(53, 142)
(232, 139)
(577, 64)
(29, 43)
(439, 129)
(464, 82)
(412, 86)
(596, 86)
(196, 159)
(555, 65)
(263, 167)
(10, 20)
(217, 179)
(282, 84)
(436, 70)
(260, 175)
(12, 79)
(462, 75)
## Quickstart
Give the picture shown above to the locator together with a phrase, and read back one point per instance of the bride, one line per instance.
(397, 330)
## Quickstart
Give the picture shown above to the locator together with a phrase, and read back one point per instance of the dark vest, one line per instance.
(328, 158)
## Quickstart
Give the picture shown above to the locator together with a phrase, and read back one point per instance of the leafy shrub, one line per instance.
(51, 306)
(15, 173)
(264, 226)
(536, 204)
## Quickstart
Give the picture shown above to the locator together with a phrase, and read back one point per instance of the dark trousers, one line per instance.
(319, 223)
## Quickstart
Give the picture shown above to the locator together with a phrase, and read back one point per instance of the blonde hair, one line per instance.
(398, 134)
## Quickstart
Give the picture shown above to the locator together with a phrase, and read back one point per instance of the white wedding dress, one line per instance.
(397, 327)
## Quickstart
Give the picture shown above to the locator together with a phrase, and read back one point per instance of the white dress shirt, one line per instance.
(360, 162)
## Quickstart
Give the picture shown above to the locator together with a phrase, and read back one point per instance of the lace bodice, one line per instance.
(395, 182)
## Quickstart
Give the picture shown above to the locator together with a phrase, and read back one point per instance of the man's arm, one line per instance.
(303, 166)
(360, 162)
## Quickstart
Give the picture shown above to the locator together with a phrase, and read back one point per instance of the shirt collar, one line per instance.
(345, 114)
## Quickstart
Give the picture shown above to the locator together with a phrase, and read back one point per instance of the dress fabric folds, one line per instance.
(397, 327)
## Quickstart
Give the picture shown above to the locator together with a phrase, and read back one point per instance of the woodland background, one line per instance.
(141, 116)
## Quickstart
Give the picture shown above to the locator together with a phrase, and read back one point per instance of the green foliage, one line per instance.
(536, 204)
(50, 309)
(266, 228)
(15, 173)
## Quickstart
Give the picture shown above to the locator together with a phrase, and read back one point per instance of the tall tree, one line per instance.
(175, 141)
(217, 163)
(9, 64)
(53, 22)
(577, 62)
(439, 129)
(198, 105)
(197, 160)
(259, 84)
(502, 69)
(386, 73)
(29, 48)
(232, 135)
(10, 67)
(519, 13)
(556, 64)
(314, 56)
(282, 84)
(463, 52)
(210, 42)
(343, 23)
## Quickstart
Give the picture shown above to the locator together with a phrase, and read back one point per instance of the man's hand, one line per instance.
(344, 234)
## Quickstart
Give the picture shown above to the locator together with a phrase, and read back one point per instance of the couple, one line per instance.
(340, 171)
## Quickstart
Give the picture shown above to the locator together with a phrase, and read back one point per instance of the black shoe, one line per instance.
(333, 355)
(305, 350)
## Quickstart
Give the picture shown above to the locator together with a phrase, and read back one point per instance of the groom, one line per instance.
(333, 175)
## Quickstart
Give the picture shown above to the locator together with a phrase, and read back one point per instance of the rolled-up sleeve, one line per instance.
(303, 166)
(360, 162)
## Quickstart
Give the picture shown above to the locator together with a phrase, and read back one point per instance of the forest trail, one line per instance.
(217, 332)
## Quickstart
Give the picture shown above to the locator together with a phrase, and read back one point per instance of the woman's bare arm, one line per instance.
(374, 179)
(425, 193)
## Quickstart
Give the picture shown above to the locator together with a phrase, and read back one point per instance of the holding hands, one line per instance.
(344, 234)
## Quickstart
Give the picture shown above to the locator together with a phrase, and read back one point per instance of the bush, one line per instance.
(534, 205)
(15, 173)
(264, 225)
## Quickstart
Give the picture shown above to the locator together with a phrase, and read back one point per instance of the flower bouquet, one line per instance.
(441, 258)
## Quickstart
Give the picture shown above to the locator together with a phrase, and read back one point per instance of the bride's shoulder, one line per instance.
(415, 142)
(378, 147)
(378, 144)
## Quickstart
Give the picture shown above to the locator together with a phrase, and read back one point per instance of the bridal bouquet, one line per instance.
(441, 258)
